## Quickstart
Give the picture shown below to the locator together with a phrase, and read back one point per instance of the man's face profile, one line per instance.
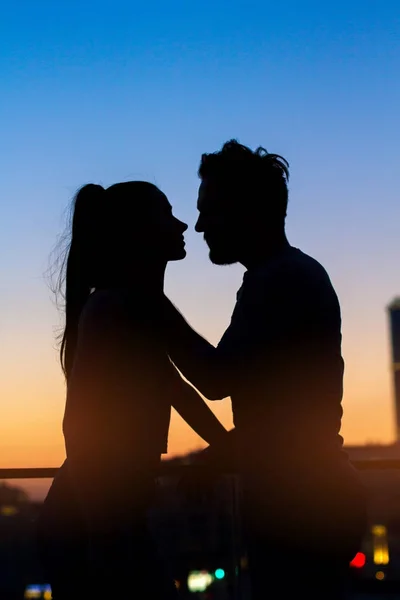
(216, 222)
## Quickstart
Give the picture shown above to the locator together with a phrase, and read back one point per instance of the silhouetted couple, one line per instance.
(280, 361)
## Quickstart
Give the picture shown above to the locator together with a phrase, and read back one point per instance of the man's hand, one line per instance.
(209, 465)
(221, 456)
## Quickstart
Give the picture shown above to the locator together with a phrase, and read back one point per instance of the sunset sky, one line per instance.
(111, 91)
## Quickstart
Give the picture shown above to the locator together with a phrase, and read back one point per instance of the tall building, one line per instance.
(394, 320)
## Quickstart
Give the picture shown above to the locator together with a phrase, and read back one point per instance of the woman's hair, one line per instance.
(95, 217)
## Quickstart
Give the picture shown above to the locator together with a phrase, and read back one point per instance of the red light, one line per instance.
(358, 561)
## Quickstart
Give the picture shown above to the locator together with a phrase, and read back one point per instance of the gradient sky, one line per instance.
(111, 91)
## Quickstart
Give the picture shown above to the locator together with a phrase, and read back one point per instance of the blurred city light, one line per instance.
(199, 581)
(358, 561)
(38, 591)
(8, 511)
(33, 591)
(381, 547)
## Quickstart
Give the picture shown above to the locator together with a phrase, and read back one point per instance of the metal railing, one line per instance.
(168, 468)
(173, 469)
(50, 472)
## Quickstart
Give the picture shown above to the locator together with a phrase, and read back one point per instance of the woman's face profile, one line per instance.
(156, 234)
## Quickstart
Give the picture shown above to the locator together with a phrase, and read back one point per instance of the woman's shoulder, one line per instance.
(116, 310)
(104, 302)
(104, 309)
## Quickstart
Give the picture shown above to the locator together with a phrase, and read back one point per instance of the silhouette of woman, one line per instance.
(121, 386)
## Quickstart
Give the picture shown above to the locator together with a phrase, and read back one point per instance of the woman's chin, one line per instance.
(178, 254)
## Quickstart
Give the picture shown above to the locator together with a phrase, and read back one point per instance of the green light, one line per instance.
(219, 573)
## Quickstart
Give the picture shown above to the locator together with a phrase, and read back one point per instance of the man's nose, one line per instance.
(199, 225)
(183, 225)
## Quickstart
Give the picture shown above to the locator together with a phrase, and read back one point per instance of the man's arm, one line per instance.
(262, 324)
(192, 408)
(200, 362)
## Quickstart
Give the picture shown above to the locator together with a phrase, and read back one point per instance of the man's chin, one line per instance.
(221, 258)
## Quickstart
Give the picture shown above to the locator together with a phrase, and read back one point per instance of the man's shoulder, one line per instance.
(291, 268)
(306, 266)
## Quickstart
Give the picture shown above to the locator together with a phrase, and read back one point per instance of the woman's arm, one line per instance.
(193, 409)
(200, 362)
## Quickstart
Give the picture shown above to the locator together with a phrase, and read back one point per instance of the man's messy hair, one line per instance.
(264, 176)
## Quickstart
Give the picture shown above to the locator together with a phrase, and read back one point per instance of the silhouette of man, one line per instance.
(281, 363)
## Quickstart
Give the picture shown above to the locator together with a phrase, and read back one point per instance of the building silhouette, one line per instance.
(394, 322)
(392, 450)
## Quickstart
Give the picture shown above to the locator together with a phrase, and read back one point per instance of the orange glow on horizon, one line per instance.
(33, 398)
(31, 435)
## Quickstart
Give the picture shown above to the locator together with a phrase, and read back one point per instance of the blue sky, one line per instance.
(106, 92)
